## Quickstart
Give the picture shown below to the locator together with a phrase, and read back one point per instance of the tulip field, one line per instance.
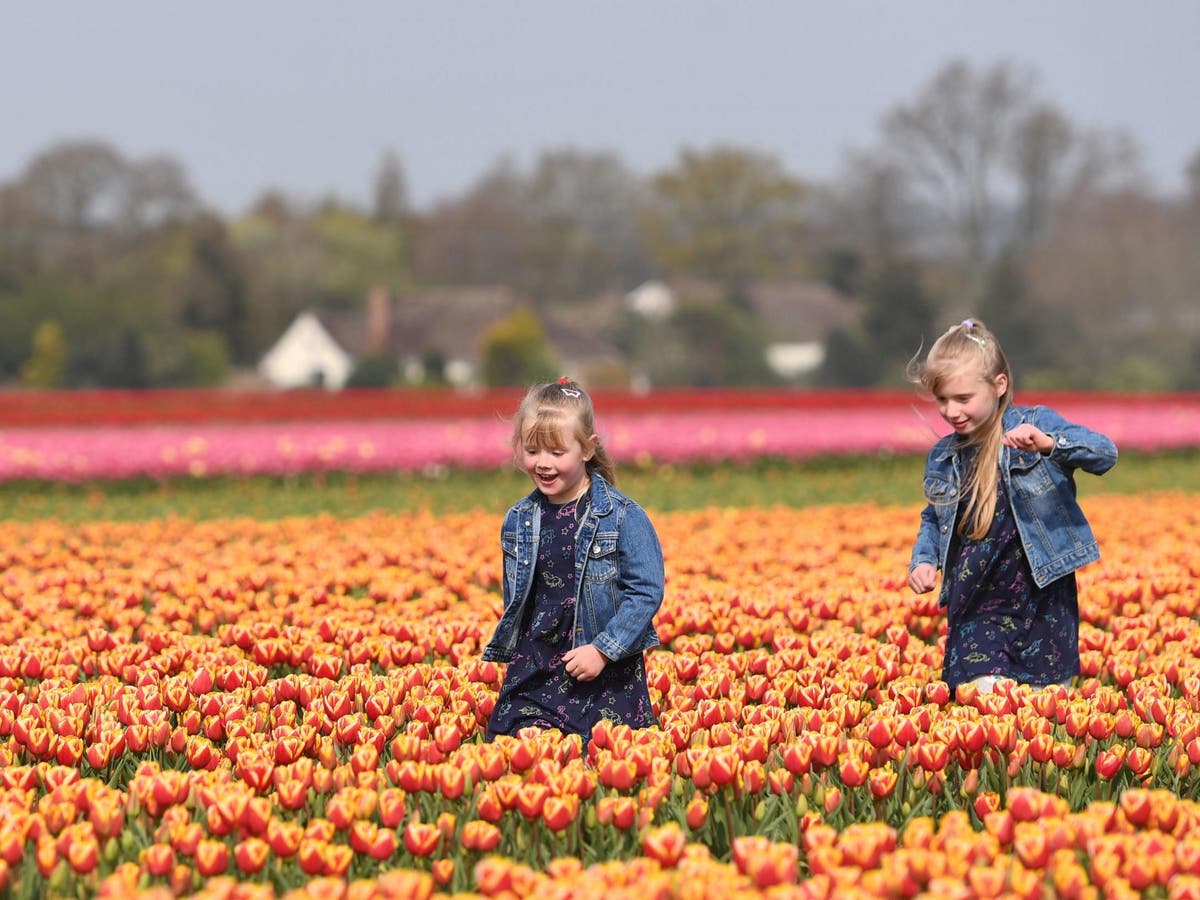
(250, 705)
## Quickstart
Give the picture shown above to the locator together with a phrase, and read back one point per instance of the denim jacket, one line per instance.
(618, 571)
(1041, 487)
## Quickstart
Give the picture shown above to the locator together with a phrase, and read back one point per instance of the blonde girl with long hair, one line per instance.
(1001, 522)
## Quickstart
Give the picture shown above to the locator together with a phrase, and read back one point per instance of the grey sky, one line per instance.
(307, 96)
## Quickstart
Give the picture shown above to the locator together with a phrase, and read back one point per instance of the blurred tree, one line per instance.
(87, 199)
(390, 191)
(295, 260)
(484, 237)
(157, 193)
(1119, 272)
(843, 271)
(46, 366)
(582, 208)
(214, 289)
(705, 345)
(849, 361)
(206, 359)
(377, 371)
(516, 352)
(951, 143)
(898, 318)
(868, 211)
(1042, 140)
(433, 366)
(355, 255)
(1031, 331)
(77, 185)
(118, 359)
(725, 214)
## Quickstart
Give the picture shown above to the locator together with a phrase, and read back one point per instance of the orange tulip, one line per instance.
(560, 812)
(212, 857)
(421, 839)
(480, 836)
(665, 844)
(251, 855)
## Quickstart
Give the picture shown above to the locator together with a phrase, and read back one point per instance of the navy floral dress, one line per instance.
(537, 689)
(1000, 622)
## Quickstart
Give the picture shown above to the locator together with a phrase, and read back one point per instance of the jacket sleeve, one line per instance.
(1075, 446)
(641, 583)
(925, 549)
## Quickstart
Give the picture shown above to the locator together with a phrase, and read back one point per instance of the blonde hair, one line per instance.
(970, 343)
(551, 410)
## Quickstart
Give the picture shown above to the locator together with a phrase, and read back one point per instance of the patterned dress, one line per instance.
(1000, 622)
(536, 689)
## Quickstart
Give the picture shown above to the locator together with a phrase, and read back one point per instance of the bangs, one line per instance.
(545, 428)
(940, 366)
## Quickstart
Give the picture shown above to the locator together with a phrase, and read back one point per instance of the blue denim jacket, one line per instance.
(618, 568)
(1041, 487)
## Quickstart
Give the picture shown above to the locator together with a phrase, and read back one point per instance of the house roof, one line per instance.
(801, 310)
(450, 320)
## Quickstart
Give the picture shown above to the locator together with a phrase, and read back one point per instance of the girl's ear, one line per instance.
(1000, 385)
(589, 448)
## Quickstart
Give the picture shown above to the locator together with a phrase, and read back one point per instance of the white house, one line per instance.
(651, 299)
(306, 355)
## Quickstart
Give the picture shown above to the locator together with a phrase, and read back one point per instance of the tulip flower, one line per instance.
(665, 845)
(421, 839)
(480, 836)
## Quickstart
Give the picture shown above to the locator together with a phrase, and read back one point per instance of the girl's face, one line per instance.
(558, 469)
(966, 399)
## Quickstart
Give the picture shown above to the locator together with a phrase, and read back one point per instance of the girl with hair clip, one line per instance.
(583, 578)
(1002, 523)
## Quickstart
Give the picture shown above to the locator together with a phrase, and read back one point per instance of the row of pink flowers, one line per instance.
(374, 445)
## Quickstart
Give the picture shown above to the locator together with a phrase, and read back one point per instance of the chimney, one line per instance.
(379, 321)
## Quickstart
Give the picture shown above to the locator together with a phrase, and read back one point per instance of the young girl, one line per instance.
(1002, 522)
(583, 578)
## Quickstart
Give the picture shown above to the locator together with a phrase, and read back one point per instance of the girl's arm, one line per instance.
(924, 550)
(640, 586)
(1075, 446)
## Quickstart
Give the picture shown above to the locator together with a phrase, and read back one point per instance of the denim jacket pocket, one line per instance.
(1031, 471)
(940, 491)
(600, 583)
(602, 558)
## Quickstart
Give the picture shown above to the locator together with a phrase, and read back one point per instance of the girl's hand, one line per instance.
(1026, 437)
(584, 663)
(923, 578)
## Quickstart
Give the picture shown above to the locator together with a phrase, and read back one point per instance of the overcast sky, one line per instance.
(307, 96)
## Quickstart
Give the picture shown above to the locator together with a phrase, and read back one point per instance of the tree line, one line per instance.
(979, 195)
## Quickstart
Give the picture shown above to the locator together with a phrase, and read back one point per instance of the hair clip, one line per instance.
(969, 325)
(564, 380)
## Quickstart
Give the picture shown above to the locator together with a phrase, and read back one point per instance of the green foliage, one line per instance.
(206, 359)
(898, 318)
(706, 345)
(883, 479)
(516, 352)
(724, 214)
(374, 371)
(850, 361)
(46, 367)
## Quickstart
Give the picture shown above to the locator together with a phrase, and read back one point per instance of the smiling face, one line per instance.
(554, 457)
(967, 400)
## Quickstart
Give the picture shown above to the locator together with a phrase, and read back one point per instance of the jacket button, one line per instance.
(943, 529)
(527, 522)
